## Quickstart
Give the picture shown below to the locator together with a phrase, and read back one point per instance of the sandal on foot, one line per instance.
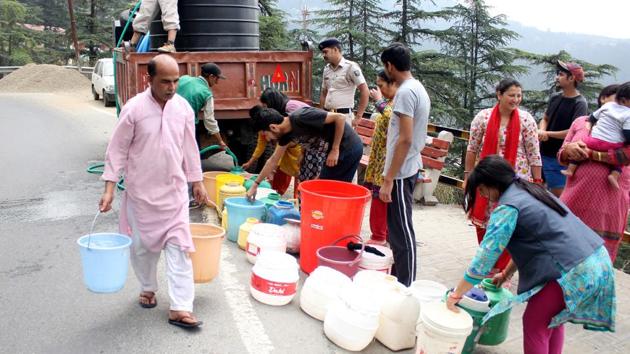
(186, 325)
(151, 301)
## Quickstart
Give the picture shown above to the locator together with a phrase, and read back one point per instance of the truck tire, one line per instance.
(95, 94)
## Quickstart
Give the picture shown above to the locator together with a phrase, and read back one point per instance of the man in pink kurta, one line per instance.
(154, 145)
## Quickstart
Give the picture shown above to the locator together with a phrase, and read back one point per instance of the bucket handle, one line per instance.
(356, 237)
(98, 212)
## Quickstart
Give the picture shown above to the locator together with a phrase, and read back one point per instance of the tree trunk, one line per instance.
(350, 39)
(404, 22)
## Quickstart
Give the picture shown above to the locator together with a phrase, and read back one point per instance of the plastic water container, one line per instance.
(210, 182)
(274, 278)
(105, 260)
(206, 259)
(292, 235)
(495, 329)
(320, 289)
(399, 317)
(352, 319)
(322, 221)
(243, 231)
(239, 209)
(443, 331)
(280, 211)
(477, 304)
(221, 180)
(427, 291)
(264, 237)
(371, 261)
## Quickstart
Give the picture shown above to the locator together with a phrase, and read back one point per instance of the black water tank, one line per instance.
(212, 25)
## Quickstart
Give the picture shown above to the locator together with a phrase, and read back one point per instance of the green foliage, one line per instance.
(410, 19)
(478, 44)
(273, 33)
(536, 100)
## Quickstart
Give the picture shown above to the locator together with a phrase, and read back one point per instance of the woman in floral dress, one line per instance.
(510, 132)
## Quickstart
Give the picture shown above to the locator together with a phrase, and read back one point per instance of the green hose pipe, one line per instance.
(217, 147)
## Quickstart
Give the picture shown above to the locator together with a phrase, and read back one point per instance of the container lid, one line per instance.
(475, 300)
(252, 220)
(356, 298)
(495, 293)
(439, 316)
(283, 204)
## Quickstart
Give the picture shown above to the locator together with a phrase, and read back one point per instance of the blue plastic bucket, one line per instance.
(239, 209)
(105, 262)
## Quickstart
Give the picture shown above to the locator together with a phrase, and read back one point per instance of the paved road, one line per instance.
(47, 201)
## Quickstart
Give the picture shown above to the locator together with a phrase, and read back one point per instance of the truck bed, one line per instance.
(248, 74)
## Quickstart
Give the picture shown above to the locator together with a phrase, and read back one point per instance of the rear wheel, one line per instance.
(95, 94)
(106, 101)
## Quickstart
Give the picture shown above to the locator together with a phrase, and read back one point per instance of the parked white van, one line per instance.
(103, 81)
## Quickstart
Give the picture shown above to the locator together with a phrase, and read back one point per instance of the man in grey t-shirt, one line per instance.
(406, 136)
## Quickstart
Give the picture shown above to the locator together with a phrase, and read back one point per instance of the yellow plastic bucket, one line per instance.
(206, 258)
(210, 182)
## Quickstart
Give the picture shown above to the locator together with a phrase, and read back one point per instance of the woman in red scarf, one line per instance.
(510, 132)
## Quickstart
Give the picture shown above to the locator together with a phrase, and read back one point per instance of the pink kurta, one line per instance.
(590, 196)
(157, 151)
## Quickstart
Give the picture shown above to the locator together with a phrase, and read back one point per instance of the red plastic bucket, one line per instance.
(329, 210)
(341, 258)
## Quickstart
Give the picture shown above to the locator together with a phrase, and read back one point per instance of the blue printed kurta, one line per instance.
(589, 287)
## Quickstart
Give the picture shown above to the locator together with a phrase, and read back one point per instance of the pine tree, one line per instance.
(478, 44)
(536, 100)
(409, 20)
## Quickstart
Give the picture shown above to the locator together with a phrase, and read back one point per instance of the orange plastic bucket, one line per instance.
(210, 182)
(207, 256)
(330, 210)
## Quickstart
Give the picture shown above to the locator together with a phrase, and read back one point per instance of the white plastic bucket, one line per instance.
(268, 237)
(442, 331)
(320, 289)
(352, 319)
(428, 291)
(274, 278)
(370, 261)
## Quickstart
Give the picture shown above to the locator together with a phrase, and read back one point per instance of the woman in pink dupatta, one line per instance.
(588, 193)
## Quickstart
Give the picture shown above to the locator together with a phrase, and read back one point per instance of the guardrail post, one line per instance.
(424, 191)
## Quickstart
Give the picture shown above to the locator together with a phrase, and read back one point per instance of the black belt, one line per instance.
(340, 110)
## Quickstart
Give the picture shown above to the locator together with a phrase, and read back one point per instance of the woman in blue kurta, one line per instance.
(565, 273)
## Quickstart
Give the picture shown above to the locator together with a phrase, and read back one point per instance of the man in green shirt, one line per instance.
(198, 92)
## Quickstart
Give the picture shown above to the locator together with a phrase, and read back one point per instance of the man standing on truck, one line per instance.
(341, 79)
(154, 144)
(198, 92)
(170, 23)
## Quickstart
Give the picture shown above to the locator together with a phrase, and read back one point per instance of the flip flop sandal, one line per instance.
(185, 325)
(149, 305)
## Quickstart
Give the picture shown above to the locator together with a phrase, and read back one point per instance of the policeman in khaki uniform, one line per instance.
(341, 79)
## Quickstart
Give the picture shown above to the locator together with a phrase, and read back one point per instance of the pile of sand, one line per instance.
(44, 78)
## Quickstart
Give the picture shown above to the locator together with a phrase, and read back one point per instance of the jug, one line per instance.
(496, 328)
(280, 211)
(230, 189)
(243, 231)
